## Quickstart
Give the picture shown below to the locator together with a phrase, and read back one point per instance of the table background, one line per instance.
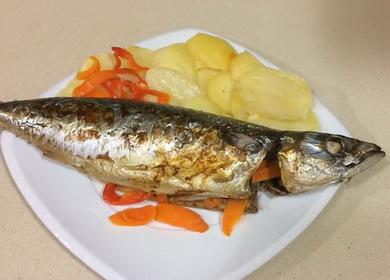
(341, 47)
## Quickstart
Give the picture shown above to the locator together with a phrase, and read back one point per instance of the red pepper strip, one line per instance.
(98, 93)
(125, 54)
(162, 97)
(111, 197)
(95, 67)
(135, 95)
(130, 71)
(83, 89)
(102, 76)
(117, 62)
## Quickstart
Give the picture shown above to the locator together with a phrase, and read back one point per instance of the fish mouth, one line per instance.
(368, 155)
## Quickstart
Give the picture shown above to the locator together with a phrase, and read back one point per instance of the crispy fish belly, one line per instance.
(154, 148)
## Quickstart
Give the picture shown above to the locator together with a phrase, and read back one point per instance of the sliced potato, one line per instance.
(210, 51)
(219, 90)
(275, 94)
(142, 56)
(178, 85)
(242, 63)
(107, 61)
(204, 75)
(201, 103)
(309, 124)
(238, 106)
(176, 57)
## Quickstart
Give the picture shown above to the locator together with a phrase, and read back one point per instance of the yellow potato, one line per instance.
(176, 57)
(275, 94)
(201, 103)
(210, 51)
(142, 56)
(204, 76)
(309, 124)
(219, 90)
(242, 63)
(238, 106)
(178, 85)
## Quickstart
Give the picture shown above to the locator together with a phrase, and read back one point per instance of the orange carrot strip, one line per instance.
(234, 209)
(178, 216)
(133, 196)
(134, 216)
(161, 198)
(95, 67)
(266, 171)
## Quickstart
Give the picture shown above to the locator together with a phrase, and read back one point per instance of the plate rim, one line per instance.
(94, 263)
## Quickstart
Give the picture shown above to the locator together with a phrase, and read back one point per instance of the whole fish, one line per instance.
(186, 154)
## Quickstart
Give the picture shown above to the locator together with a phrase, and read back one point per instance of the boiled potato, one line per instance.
(309, 124)
(219, 90)
(178, 85)
(238, 106)
(142, 56)
(201, 103)
(210, 51)
(176, 57)
(275, 94)
(204, 75)
(242, 63)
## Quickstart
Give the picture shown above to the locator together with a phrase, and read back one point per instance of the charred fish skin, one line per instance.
(163, 149)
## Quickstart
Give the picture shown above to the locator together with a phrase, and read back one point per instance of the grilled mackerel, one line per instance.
(183, 153)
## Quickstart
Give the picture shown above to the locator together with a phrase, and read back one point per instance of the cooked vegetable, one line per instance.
(204, 75)
(311, 123)
(178, 85)
(178, 216)
(219, 90)
(243, 63)
(130, 197)
(275, 94)
(92, 68)
(266, 171)
(210, 51)
(233, 212)
(201, 103)
(176, 57)
(238, 106)
(144, 57)
(134, 216)
(120, 52)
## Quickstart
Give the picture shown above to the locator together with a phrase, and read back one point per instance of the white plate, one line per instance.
(68, 204)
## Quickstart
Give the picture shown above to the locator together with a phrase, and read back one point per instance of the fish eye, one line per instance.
(333, 146)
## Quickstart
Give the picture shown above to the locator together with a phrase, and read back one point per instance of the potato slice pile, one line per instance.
(205, 73)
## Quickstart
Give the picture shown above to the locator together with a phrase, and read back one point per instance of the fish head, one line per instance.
(310, 160)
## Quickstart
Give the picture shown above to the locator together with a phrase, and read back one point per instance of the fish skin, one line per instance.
(176, 151)
(156, 148)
